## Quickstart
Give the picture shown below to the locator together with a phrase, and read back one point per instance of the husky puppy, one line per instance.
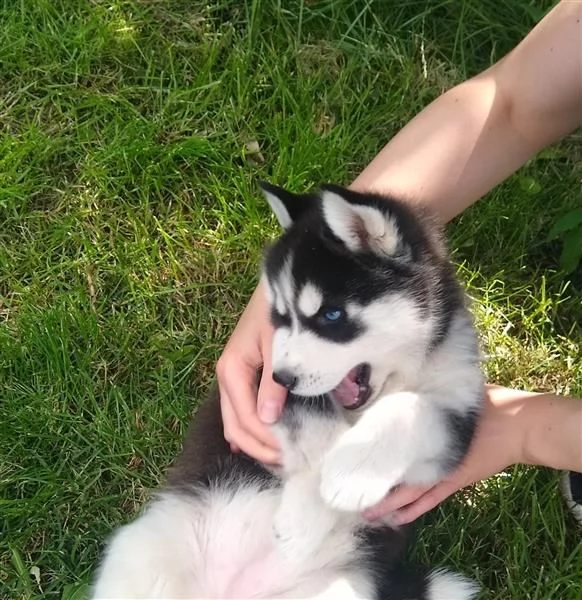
(375, 344)
(367, 309)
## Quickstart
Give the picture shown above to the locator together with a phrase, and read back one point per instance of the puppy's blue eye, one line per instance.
(333, 315)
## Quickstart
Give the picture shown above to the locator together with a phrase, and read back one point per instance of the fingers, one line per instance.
(248, 348)
(242, 425)
(271, 399)
(395, 500)
(409, 502)
(262, 448)
(426, 502)
(272, 396)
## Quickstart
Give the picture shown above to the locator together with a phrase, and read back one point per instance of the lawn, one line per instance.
(132, 137)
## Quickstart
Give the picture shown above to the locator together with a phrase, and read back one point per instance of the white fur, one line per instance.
(360, 226)
(402, 428)
(221, 548)
(397, 438)
(278, 209)
(394, 330)
(180, 548)
(280, 305)
(293, 542)
(343, 587)
(303, 521)
(444, 585)
(273, 297)
(304, 448)
(379, 451)
(310, 299)
(284, 287)
(278, 543)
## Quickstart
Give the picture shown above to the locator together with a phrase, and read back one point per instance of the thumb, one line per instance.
(271, 396)
(271, 399)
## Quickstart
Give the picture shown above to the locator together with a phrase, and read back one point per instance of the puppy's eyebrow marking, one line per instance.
(274, 297)
(285, 287)
(310, 299)
(279, 304)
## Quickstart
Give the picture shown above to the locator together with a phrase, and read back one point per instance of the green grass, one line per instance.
(131, 227)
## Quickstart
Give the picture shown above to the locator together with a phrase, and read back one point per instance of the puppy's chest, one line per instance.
(406, 379)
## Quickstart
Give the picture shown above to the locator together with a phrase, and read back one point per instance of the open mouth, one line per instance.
(354, 389)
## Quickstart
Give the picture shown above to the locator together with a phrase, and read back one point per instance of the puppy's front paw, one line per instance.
(353, 481)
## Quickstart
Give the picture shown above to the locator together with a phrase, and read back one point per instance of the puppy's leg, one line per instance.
(398, 432)
(345, 584)
(302, 520)
(155, 556)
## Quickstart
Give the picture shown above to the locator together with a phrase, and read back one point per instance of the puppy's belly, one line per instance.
(248, 576)
(209, 545)
(233, 546)
(221, 543)
(265, 575)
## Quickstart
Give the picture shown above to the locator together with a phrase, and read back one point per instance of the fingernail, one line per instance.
(269, 412)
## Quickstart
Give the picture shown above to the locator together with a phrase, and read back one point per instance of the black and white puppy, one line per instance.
(374, 342)
(367, 308)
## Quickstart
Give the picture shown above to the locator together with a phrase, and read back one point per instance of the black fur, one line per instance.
(280, 320)
(206, 462)
(463, 427)
(394, 578)
(421, 268)
(294, 203)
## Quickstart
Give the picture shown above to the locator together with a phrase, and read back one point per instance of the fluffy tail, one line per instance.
(445, 585)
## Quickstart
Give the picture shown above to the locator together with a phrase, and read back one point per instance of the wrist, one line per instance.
(511, 422)
(552, 432)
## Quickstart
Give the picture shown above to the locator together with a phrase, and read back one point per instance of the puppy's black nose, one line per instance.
(285, 378)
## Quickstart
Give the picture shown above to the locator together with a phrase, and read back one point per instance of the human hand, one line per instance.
(245, 414)
(498, 443)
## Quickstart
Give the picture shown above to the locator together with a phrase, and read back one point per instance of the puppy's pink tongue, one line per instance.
(347, 392)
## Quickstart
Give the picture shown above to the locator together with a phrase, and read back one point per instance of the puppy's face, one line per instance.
(344, 298)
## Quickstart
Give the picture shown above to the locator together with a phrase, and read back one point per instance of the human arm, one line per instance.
(553, 431)
(458, 148)
(478, 133)
(516, 428)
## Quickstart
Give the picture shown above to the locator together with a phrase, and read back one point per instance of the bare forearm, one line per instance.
(480, 132)
(452, 153)
(552, 432)
(517, 427)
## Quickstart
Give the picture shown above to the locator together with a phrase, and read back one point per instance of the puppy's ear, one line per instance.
(362, 227)
(288, 207)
